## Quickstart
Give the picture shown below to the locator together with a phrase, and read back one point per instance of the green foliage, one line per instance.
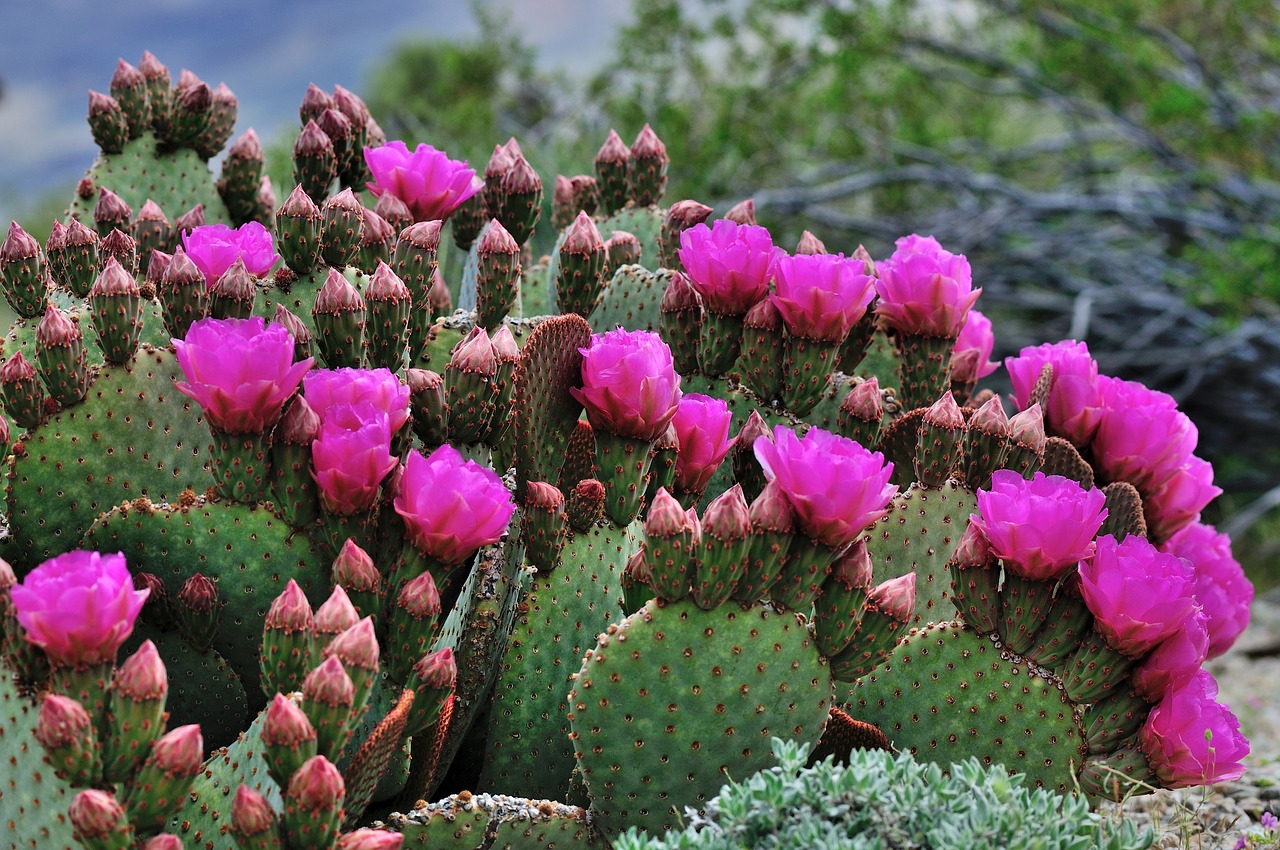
(880, 800)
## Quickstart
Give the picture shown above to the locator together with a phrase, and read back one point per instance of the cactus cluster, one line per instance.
(384, 552)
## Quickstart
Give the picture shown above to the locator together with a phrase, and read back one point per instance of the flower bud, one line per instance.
(313, 804)
(328, 697)
(288, 737)
(334, 616)
(61, 357)
(98, 821)
(287, 641)
(611, 164)
(111, 213)
(647, 168)
(23, 395)
(432, 679)
(198, 611)
(253, 819)
(370, 839)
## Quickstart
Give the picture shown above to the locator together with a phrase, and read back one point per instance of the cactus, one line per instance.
(334, 558)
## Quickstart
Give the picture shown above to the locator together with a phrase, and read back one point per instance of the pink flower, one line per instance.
(924, 289)
(1138, 594)
(214, 248)
(1192, 739)
(1175, 661)
(821, 296)
(240, 371)
(975, 336)
(702, 425)
(1074, 404)
(1142, 437)
(1221, 587)
(451, 508)
(728, 264)
(836, 487)
(324, 388)
(629, 384)
(78, 607)
(1042, 527)
(351, 457)
(431, 185)
(1180, 499)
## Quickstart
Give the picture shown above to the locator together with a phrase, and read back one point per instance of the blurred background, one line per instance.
(1108, 166)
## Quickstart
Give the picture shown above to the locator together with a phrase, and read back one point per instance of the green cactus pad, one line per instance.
(947, 693)
(630, 299)
(469, 821)
(249, 552)
(920, 533)
(33, 801)
(93, 456)
(644, 223)
(675, 701)
(177, 180)
(561, 616)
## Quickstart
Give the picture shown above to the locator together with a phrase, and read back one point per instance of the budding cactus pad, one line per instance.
(947, 693)
(34, 800)
(675, 701)
(469, 821)
(177, 180)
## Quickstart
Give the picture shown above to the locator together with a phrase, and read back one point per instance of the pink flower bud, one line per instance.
(945, 413)
(354, 569)
(924, 289)
(19, 245)
(743, 213)
(727, 517)
(286, 725)
(163, 841)
(329, 684)
(1074, 405)
(973, 550)
(350, 105)
(821, 296)
(614, 151)
(143, 676)
(95, 814)
(1138, 595)
(1040, 528)
(336, 614)
(702, 426)
(1223, 591)
(1027, 429)
(763, 316)
(895, 597)
(679, 295)
(179, 752)
(629, 384)
(666, 518)
(583, 237)
(56, 330)
(62, 722)
(429, 183)
(251, 814)
(990, 419)
(685, 214)
(369, 839)
(505, 349)
(810, 244)
(357, 647)
(317, 785)
(772, 511)
(540, 494)
(1191, 739)
(864, 401)
(290, 612)
(729, 264)
(111, 208)
(474, 354)
(450, 507)
(437, 670)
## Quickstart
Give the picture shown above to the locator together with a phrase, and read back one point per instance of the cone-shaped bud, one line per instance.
(298, 231)
(370, 839)
(773, 522)
(115, 304)
(341, 228)
(470, 217)
(612, 163)
(636, 581)
(357, 649)
(664, 459)
(98, 821)
(66, 731)
(394, 212)
(315, 164)
(350, 105)
(242, 176)
(23, 278)
(313, 805)
(722, 556)
(680, 217)
(151, 231)
(764, 348)
(412, 624)
(328, 697)
(111, 213)
(497, 274)
(581, 274)
(129, 88)
(497, 165)
(647, 168)
(339, 315)
(334, 616)
(55, 250)
(890, 607)
(337, 127)
(314, 103)
(985, 443)
(743, 212)
(415, 263)
(121, 247)
(586, 504)
(469, 389)
(158, 611)
(232, 295)
(189, 220)
(861, 413)
(298, 330)
(288, 737)
(895, 598)
(184, 294)
(154, 793)
(136, 715)
(149, 288)
(975, 577)
(23, 395)
(563, 209)
(376, 241)
(506, 355)
(198, 611)
(519, 199)
(107, 122)
(387, 327)
(60, 357)
(78, 261)
(223, 108)
(672, 542)
(844, 595)
(810, 244)
(163, 841)
(432, 680)
(621, 249)
(287, 641)
(354, 572)
(543, 525)
(746, 469)
(679, 320)
(192, 110)
(1027, 441)
(159, 96)
(427, 396)
(253, 821)
(938, 449)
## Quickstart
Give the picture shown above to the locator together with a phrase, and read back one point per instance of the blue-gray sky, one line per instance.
(53, 51)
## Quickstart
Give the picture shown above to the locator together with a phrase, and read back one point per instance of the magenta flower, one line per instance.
(1175, 661)
(78, 607)
(1222, 589)
(1139, 595)
(1142, 437)
(924, 289)
(324, 388)
(240, 371)
(1192, 739)
(629, 384)
(821, 296)
(214, 248)
(836, 487)
(1179, 499)
(1074, 404)
(351, 457)
(729, 264)
(429, 183)
(1040, 528)
(702, 425)
(976, 336)
(450, 507)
